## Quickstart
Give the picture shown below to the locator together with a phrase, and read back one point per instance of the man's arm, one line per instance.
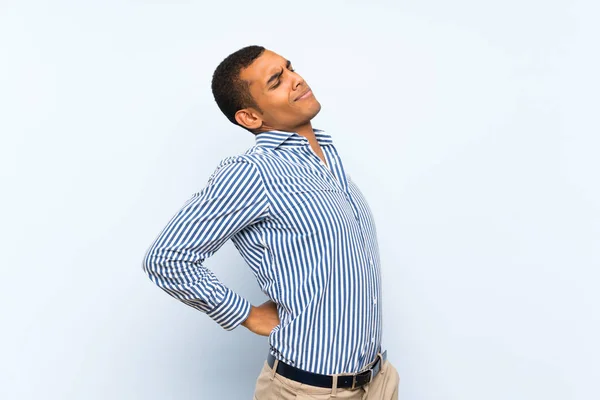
(233, 198)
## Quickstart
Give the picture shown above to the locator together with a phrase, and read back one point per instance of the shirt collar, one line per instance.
(275, 139)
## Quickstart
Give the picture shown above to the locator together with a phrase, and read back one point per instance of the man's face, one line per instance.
(285, 99)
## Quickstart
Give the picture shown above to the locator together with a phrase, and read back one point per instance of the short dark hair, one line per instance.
(230, 92)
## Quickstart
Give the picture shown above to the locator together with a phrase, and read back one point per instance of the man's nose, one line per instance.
(297, 79)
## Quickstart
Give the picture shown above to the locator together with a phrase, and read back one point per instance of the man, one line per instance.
(304, 229)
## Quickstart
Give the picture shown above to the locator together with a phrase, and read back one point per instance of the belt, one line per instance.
(351, 381)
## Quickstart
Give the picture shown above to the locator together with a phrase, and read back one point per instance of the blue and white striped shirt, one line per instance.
(308, 236)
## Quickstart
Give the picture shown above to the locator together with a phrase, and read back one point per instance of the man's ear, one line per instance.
(248, 118)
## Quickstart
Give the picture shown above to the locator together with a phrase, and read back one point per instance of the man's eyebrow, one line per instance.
(278, 74)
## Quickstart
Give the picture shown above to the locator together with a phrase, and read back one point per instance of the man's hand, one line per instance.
(262, 319)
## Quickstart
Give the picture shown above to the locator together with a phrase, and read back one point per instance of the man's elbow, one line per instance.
(149, 264)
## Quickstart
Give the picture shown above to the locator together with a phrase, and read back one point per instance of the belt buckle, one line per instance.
(369, 381)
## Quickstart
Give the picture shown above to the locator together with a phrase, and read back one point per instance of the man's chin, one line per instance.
(316, 110)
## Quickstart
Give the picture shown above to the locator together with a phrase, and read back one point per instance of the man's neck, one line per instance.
(308, 132)
(305, 130)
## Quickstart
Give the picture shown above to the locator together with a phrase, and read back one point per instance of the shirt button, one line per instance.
(371, 262)
(374, 300)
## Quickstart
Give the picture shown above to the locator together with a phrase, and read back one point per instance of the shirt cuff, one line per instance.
(231, 312)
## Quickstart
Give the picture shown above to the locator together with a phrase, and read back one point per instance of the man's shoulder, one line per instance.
(244, 163)
(243, 158)
(254, 156)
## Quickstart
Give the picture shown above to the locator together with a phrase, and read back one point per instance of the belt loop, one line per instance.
(334, 386)
(274, 368)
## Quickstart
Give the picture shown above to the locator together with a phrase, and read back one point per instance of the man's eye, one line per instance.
(275, 85)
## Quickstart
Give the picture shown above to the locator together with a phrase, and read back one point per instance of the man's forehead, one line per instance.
(264, 66)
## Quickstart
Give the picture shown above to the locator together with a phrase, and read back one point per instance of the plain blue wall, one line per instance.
(470, 126)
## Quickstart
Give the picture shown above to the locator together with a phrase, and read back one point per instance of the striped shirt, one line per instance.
(307, 234)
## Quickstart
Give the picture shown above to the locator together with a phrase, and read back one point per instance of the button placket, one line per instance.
(325, 167)
(338, 183)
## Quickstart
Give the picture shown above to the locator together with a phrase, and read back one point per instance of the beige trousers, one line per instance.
(271, 386)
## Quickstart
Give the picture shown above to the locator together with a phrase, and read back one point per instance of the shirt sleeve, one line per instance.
(233, 198)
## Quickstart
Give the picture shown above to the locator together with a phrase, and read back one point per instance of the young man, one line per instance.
(303, 227)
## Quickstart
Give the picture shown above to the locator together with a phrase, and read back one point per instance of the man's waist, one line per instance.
(327, 360)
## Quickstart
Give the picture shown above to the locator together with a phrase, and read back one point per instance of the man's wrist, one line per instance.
(251, 314)
(262, 319)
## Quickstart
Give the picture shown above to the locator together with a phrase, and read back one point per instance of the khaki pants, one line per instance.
(271, 386)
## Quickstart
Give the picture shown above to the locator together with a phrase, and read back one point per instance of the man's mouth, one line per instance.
(304, 95)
